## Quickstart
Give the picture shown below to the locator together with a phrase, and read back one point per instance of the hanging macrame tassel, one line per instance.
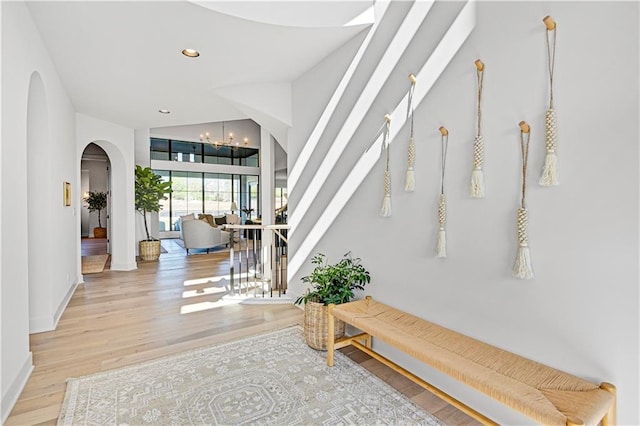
(441, 244)
(477, 176)
(550, 175)
(385, 211)
(441, 247)
(410, 181)
(522, 266)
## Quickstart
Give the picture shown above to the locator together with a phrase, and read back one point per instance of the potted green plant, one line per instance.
(330, 284)
(97, 201)
(150, 189)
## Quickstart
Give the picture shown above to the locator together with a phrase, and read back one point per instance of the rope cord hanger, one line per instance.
(549, 176)
(441, 245)
(385, 211)
(522, 267)
(477, 176)
(410, 181)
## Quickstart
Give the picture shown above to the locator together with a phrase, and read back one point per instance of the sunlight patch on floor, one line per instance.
(205, 306)
(203, 292)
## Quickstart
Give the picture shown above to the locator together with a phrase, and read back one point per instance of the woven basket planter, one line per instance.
(316, 320)
(99, 232)
(149, 250)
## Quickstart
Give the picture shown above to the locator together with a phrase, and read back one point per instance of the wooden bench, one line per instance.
(544, 394)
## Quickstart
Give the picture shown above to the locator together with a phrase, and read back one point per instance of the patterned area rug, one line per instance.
(271, 379)
(94, 264)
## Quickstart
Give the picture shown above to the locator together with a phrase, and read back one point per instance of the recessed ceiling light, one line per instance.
(191, 53)
(164, 111)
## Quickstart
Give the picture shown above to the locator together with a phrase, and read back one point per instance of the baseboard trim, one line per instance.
(123, 266)
(10, 398)
(41, 324)
(64, 303)
(49, 323)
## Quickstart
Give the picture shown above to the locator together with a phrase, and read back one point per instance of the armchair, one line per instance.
(198, 234)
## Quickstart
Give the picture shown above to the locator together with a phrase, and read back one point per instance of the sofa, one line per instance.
(198, 234)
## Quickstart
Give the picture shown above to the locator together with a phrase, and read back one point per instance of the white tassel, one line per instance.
(410, 184)
(385, 211)
(477, 184)
(549, 176)
(441, 248)
(522, 267)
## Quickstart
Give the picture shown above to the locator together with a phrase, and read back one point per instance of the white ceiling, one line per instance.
(121, 61)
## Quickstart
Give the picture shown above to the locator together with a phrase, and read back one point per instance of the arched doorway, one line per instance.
(121, 221)
(95, 177)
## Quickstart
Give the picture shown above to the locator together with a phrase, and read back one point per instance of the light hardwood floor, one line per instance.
(116, 319)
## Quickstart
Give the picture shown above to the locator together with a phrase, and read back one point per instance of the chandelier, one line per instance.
(206, 138)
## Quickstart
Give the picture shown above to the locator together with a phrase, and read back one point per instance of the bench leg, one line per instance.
(367, 341)
(331, 338)
(610, 418)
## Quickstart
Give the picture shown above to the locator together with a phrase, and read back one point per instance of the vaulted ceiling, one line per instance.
(122, 61)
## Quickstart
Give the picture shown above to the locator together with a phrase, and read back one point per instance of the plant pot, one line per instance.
(316, 320)
(150, 250)
(99, 232)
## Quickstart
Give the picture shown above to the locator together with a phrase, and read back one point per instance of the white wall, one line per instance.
(19, 35)
(143, 158)
(580, 313)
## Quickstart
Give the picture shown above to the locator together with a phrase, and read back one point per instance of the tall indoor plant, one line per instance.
(330, 284)
(150, 190)
(97, 201)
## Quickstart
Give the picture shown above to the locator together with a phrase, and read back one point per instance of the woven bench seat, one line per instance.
(544, 394)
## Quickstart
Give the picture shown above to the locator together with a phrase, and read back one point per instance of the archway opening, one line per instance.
(95, 184)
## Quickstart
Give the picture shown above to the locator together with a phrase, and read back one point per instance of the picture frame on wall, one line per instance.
(66, 192)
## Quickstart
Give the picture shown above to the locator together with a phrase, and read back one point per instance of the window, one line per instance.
(196, 152)
(188, 152)
(165, 211)
(186, 195)
(195, 192)
(218, 193)
(159, 149)
(249, 193)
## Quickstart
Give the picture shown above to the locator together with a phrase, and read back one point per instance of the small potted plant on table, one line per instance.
(150, 189)
(96, 202)
(331, 284)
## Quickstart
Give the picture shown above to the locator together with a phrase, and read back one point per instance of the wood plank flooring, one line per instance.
(166, 307)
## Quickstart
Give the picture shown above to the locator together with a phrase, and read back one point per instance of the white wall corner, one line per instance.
(273, 99)
(41, 324)
(124, 266)
(10, 398)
